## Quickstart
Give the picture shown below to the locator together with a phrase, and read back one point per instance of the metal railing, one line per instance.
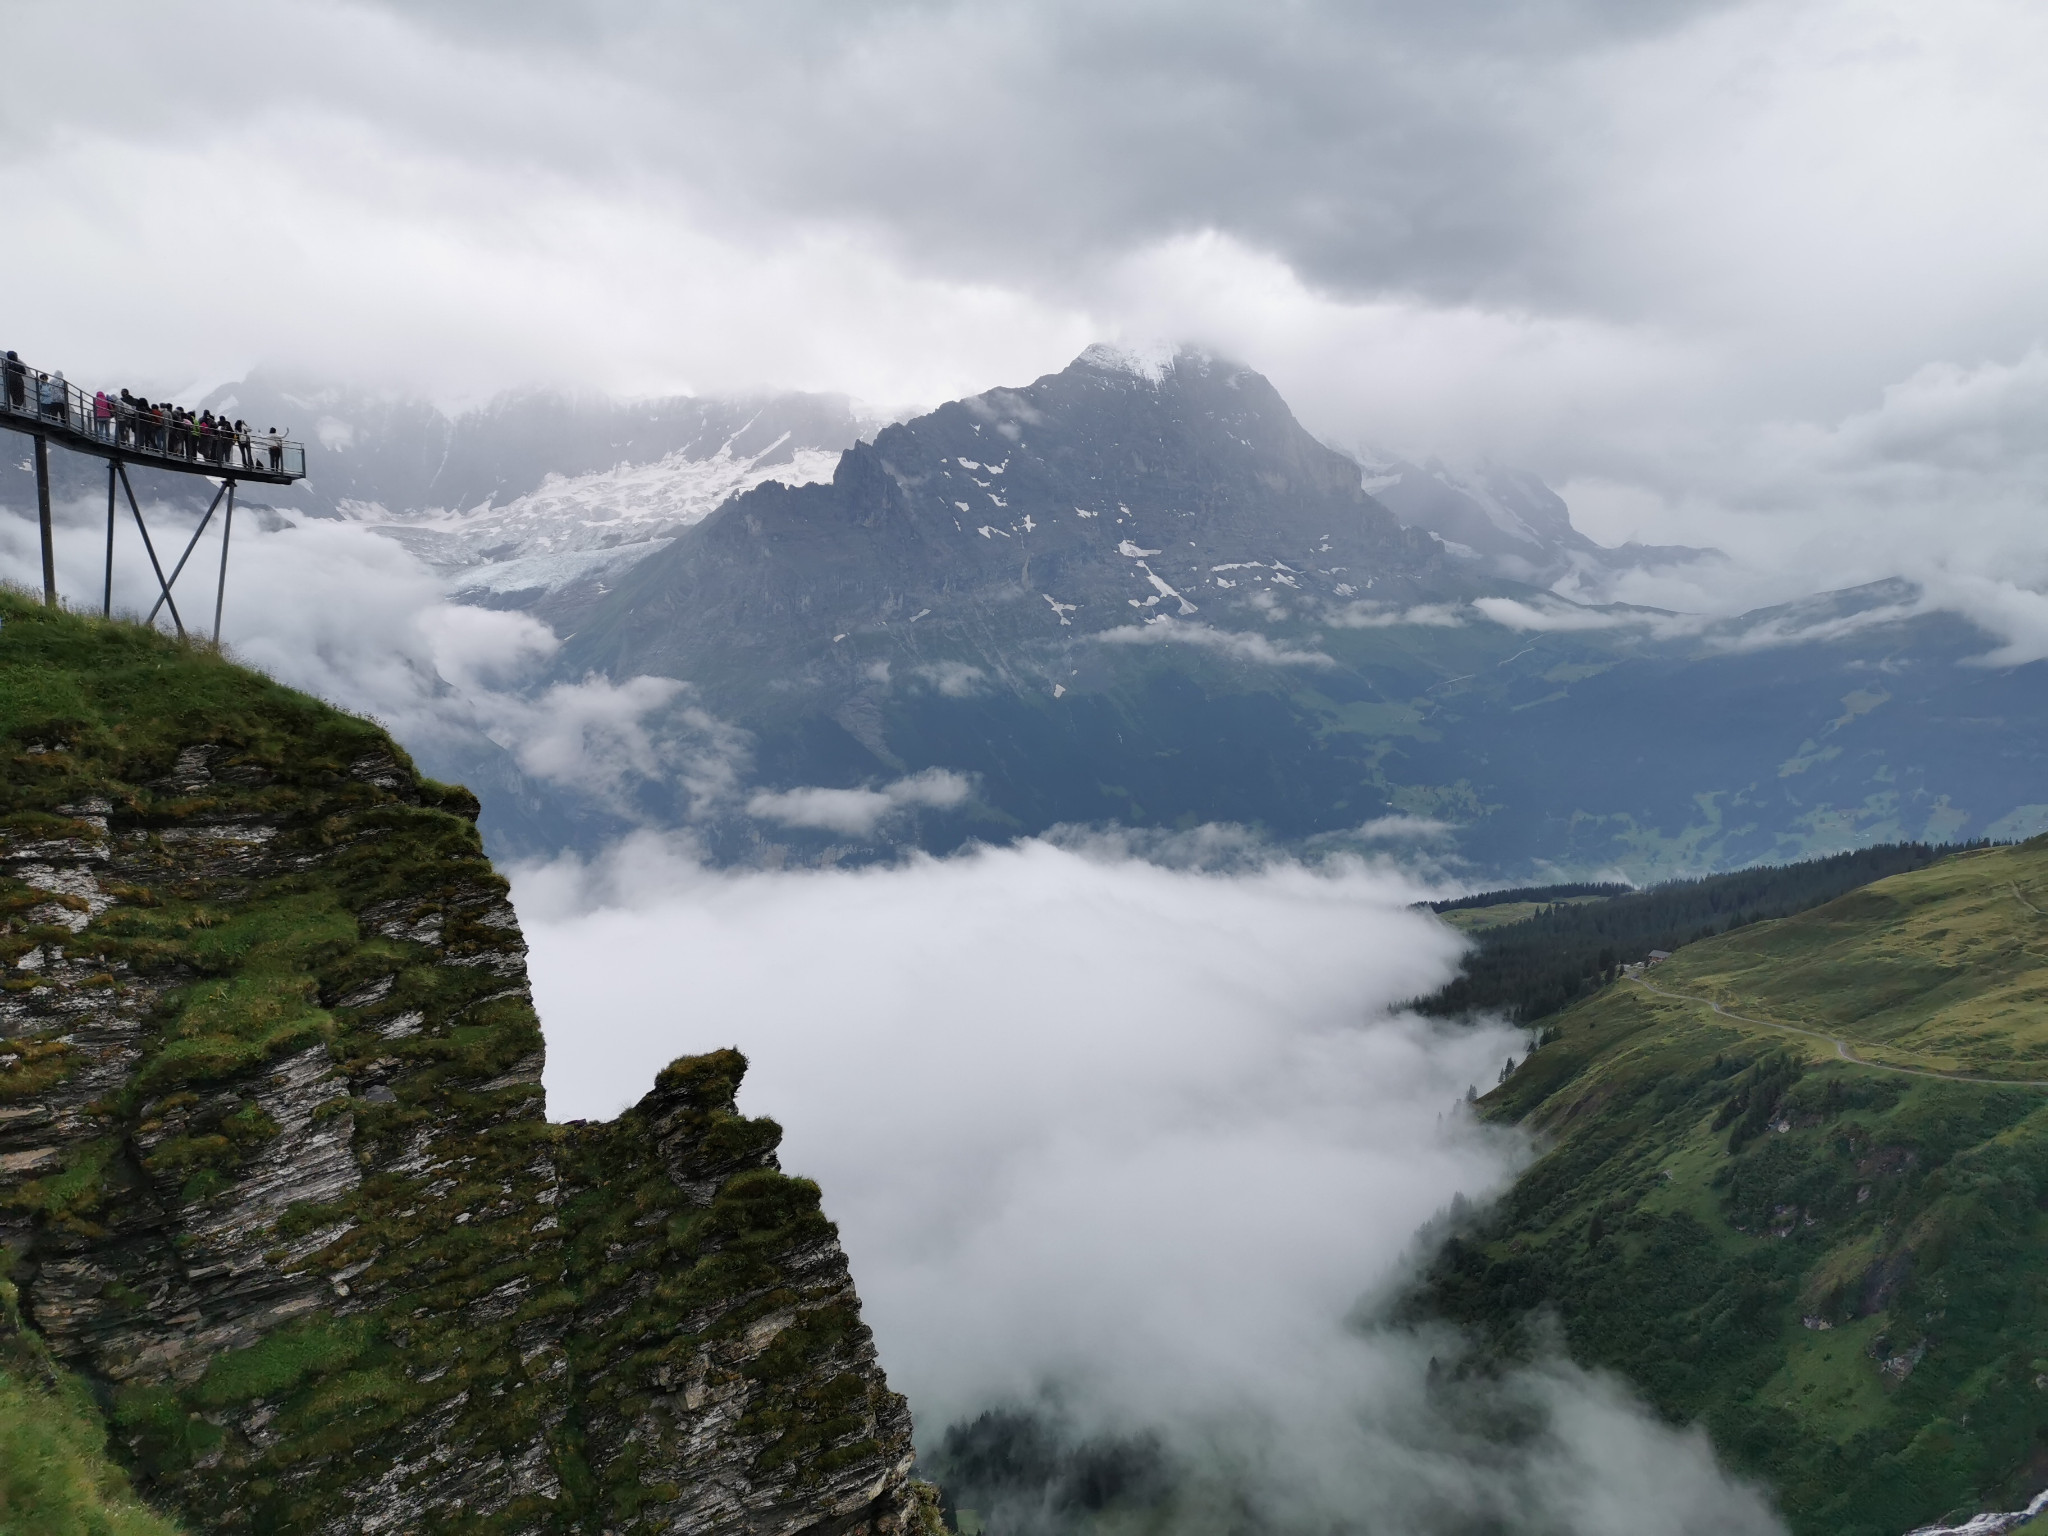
(34, 401)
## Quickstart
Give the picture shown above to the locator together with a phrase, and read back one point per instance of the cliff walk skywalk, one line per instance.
(124, 429)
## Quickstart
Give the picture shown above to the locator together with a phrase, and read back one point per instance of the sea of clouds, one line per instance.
(1135, 1144)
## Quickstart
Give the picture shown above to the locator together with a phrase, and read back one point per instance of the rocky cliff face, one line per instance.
(274, 1172)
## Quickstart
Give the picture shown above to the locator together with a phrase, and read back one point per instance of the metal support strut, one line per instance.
(191, 545)
(43, 517)
(154, 563)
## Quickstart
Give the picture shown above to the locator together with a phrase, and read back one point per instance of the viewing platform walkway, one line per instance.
(108, 427)
(124, 429)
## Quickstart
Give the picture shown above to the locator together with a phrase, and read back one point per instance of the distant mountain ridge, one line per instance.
(537, 499)
(1506, 518)
(406, 456)
(1094, 500)
(1138, 591)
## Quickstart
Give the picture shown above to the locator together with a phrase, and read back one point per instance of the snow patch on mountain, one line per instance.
(1165, 629)
(1147, 360)
(576, 526)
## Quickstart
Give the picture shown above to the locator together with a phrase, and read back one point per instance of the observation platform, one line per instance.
(47, 408)
(66, 415)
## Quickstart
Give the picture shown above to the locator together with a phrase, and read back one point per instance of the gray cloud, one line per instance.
(1779, 208)
(334, 609)
(1405, 145)
(1244, 645)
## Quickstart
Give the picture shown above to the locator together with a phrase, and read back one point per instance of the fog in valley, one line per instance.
(1136, 1145)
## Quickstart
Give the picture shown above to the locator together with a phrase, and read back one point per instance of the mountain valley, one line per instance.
(1150, 598)
(1792, 1186)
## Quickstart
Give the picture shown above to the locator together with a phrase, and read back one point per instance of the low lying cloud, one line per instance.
(1245, 645)
(1818, 623)
(1370, 615)
(861, 812)
(1937, 482)
(1402, 829)
(1510, 613)
(954, 679)
(334, 609)
(1125, 1139)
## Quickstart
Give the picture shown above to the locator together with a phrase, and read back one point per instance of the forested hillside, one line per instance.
(1812, 1219)
(1565, 942)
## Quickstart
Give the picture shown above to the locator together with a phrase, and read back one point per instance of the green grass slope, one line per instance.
(1813, 1218)
(56, 1478)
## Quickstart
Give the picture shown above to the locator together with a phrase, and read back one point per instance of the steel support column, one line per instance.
(227, 531)
(107, 598)
(43, 517)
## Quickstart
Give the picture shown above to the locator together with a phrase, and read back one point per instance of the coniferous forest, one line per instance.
(1572, 946)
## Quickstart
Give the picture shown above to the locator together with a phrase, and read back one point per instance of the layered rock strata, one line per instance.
(275, 1176)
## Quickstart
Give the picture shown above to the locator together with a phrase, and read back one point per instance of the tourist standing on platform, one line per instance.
(103, 415)
(242, 442)
(17, 381)
(276, 451)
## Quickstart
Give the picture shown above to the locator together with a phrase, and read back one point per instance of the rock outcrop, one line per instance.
(275, 1177)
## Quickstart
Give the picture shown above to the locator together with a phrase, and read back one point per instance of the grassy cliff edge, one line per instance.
(279, 1204)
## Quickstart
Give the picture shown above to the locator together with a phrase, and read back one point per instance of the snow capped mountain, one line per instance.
(575, 533)
(1147, 360)
(539, 499)
(1115, 496)
(1138, 591)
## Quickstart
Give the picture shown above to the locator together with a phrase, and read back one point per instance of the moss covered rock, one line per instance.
(275, 1176)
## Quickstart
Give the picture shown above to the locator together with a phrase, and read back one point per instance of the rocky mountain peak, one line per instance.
(1105, 496)
(1148, 360)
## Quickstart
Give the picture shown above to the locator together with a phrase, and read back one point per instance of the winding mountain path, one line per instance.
(1842, 1047)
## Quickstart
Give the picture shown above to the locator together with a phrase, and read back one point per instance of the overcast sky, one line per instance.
(1696, 262)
